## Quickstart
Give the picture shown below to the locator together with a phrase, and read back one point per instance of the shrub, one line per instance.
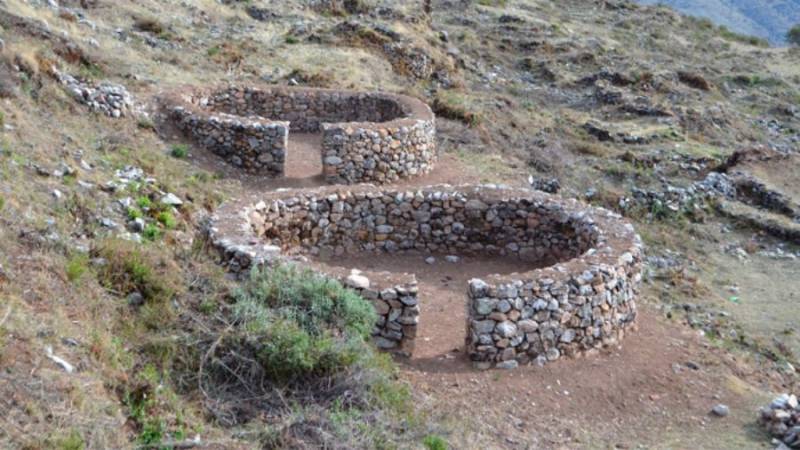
(131, 267)
(151, 232)
(144, 202)
(167, 219)
(433, 442)
(793, 35)
(302, 323)
(179, 151)
(76, 266)
(291, 40)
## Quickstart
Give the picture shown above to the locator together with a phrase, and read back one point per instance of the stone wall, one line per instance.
(586, 299)
(367, 136)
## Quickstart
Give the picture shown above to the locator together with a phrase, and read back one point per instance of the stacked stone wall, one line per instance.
(367, 136)
(584, 300)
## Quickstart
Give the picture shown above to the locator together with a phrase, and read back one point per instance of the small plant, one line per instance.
(179, 151)
(167, 219)
(2, 203)
(214, 51)
(433, 442)
(2, 119)
(151, 232)
(144, 202)
(77, 265)
(131, 268)
(291, 40)
(146, 123)
(134, 213)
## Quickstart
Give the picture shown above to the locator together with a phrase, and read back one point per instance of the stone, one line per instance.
(135, 299)
(430, 260)
(568, 335)
(451, 258)
(484, 305)
(506, 365)
(527, 326)
(171, 199)
(720, 410)
(357, 281)
(506, 329)
(385, 344)
(483, 326)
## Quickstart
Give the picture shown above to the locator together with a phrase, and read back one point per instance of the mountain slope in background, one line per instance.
(769, 19)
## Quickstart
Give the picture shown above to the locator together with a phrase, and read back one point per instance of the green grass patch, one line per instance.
(77, 266)
(179, 151)
(132, 267)
(167, 219)
(433, 442)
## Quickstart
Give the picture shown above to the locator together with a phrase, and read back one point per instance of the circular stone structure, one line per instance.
(366, 136)
(584, 299)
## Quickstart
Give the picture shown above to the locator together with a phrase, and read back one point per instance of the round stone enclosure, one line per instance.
(366, 136)
(583, 300)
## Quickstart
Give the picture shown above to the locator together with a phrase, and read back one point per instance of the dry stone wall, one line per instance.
(367, 136)
(584, 300)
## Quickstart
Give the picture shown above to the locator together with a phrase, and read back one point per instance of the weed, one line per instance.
(214, 51)
(434, 442)
(454, 106)
(146, 123)
(77, 266)
(2, 119)
(144, 202)
(167, 219)
(179, 151)
(131, 267)
(2, 203)
(73, 441)
(134, 213)
(291, 40)
(151, 232)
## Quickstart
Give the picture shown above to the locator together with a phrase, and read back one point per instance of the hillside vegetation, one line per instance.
(118, 329)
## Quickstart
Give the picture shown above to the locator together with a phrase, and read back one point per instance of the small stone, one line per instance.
(451, 258)
(507, 365)
(721, 410)
(136, 225)
(171, 200)
(506, 329)
(135, 299)
(384, 343)
(430, 260)
(357, 281)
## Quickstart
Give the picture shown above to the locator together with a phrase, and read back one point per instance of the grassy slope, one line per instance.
(529, 119)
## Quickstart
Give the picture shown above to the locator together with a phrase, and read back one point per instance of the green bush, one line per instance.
(302, 323)
(151, 232)
(180, 151)
(433, 442)
(77, 265)
(167, 219)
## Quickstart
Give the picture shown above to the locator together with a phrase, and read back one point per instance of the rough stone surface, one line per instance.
(584, 301)
(366, 136)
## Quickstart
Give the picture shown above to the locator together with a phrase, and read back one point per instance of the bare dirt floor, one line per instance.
(662, 380)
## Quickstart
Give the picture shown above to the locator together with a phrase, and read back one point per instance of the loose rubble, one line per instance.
(110, 99)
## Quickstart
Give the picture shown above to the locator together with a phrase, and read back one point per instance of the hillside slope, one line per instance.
(768, 19)
(120, 329)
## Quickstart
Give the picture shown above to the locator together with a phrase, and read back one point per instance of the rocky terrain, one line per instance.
(112, 307)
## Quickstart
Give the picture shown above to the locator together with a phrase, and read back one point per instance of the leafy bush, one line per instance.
(302, 323)
(179, 151)
(433, 442)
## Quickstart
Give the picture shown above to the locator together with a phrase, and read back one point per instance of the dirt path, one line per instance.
(442, 296)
